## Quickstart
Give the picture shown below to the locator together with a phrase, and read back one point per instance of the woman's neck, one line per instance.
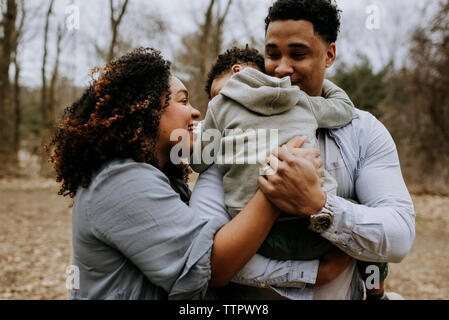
(162, 156)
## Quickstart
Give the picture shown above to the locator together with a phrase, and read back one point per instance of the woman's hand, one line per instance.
(293, 184)
(332, 264)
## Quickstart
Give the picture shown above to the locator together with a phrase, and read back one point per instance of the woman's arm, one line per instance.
(133, 209)
(238, 241)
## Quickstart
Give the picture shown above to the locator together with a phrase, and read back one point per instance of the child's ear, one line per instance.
(236, 68)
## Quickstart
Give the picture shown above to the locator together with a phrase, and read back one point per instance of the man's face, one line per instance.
(293, 49)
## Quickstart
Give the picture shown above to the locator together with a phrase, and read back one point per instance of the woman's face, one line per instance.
(178, 118)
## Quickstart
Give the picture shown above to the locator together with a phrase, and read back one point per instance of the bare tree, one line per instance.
(8, 158)
(254, 36)
(220, 21)
(146, 28)
(47, 116)
(49, 89)
(200, 50)
(17, 90)
(116, 18)
(430, 54)
(416, 108)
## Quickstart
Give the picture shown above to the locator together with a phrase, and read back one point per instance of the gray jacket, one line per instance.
(133, 237)
(252, 101)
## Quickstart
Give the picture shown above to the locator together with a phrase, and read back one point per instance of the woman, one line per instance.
(134, 236)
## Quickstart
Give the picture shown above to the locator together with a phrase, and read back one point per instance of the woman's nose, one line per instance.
(196, 114)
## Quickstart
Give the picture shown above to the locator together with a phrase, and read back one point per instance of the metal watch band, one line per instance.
(329, 205)
(323, 221)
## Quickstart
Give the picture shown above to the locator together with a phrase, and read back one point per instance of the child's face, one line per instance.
(221, 81)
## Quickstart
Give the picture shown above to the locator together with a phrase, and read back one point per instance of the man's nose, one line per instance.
(284, 69)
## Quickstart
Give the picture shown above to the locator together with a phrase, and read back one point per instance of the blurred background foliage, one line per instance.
(399, 73)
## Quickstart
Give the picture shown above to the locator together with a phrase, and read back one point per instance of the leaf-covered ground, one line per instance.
(35, 245)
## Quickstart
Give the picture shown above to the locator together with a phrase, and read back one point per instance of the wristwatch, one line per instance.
(321, 222)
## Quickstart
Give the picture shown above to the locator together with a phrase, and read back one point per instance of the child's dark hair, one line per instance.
(231, 57)
(323, 14)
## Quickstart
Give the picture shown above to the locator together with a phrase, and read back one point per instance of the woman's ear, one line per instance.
(236, 68)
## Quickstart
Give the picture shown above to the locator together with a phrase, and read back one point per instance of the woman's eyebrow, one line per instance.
(183, 91)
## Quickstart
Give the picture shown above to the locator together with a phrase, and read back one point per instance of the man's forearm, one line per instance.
(383, 234)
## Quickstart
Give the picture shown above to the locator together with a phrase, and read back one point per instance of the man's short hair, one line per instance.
(323, 14)
(232, 57)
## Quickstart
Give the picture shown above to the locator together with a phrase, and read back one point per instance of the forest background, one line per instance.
(393, 61)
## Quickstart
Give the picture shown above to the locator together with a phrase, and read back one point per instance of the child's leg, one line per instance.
(367, 270)
(376, 294)
(291, 240)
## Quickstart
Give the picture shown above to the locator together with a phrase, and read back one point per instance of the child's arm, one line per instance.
(333, 111)
(207, 144)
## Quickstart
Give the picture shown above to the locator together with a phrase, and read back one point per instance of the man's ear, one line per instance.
(236, 68)
(331, 55)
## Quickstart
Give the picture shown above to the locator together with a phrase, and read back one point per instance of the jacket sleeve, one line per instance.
(334, 110)
(140, 215)
(383, 228)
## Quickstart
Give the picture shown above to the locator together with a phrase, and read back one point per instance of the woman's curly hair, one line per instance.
(117, 117)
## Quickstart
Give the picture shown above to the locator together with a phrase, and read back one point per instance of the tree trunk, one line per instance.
(47, 113)
(8, 158)
(115, 24)
(17, 88)
(17, 106)
(219, 29)
(205, 39)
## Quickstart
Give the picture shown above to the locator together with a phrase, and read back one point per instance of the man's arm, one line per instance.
(383, 228)
(208, 201)
(334, 110)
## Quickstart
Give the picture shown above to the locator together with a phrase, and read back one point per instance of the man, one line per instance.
(362, 157)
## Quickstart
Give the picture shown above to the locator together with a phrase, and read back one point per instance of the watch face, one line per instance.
(322, 223)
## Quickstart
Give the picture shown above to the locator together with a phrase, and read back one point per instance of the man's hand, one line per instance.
(313, 155)
(293, 184)
(332, 264)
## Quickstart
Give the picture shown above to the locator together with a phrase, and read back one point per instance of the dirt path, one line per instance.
(424, 273)
(35, 245)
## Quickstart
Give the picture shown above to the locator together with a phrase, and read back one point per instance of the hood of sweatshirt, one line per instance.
(261, 93)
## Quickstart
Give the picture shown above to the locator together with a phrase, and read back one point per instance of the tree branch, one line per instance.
(115, 23)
